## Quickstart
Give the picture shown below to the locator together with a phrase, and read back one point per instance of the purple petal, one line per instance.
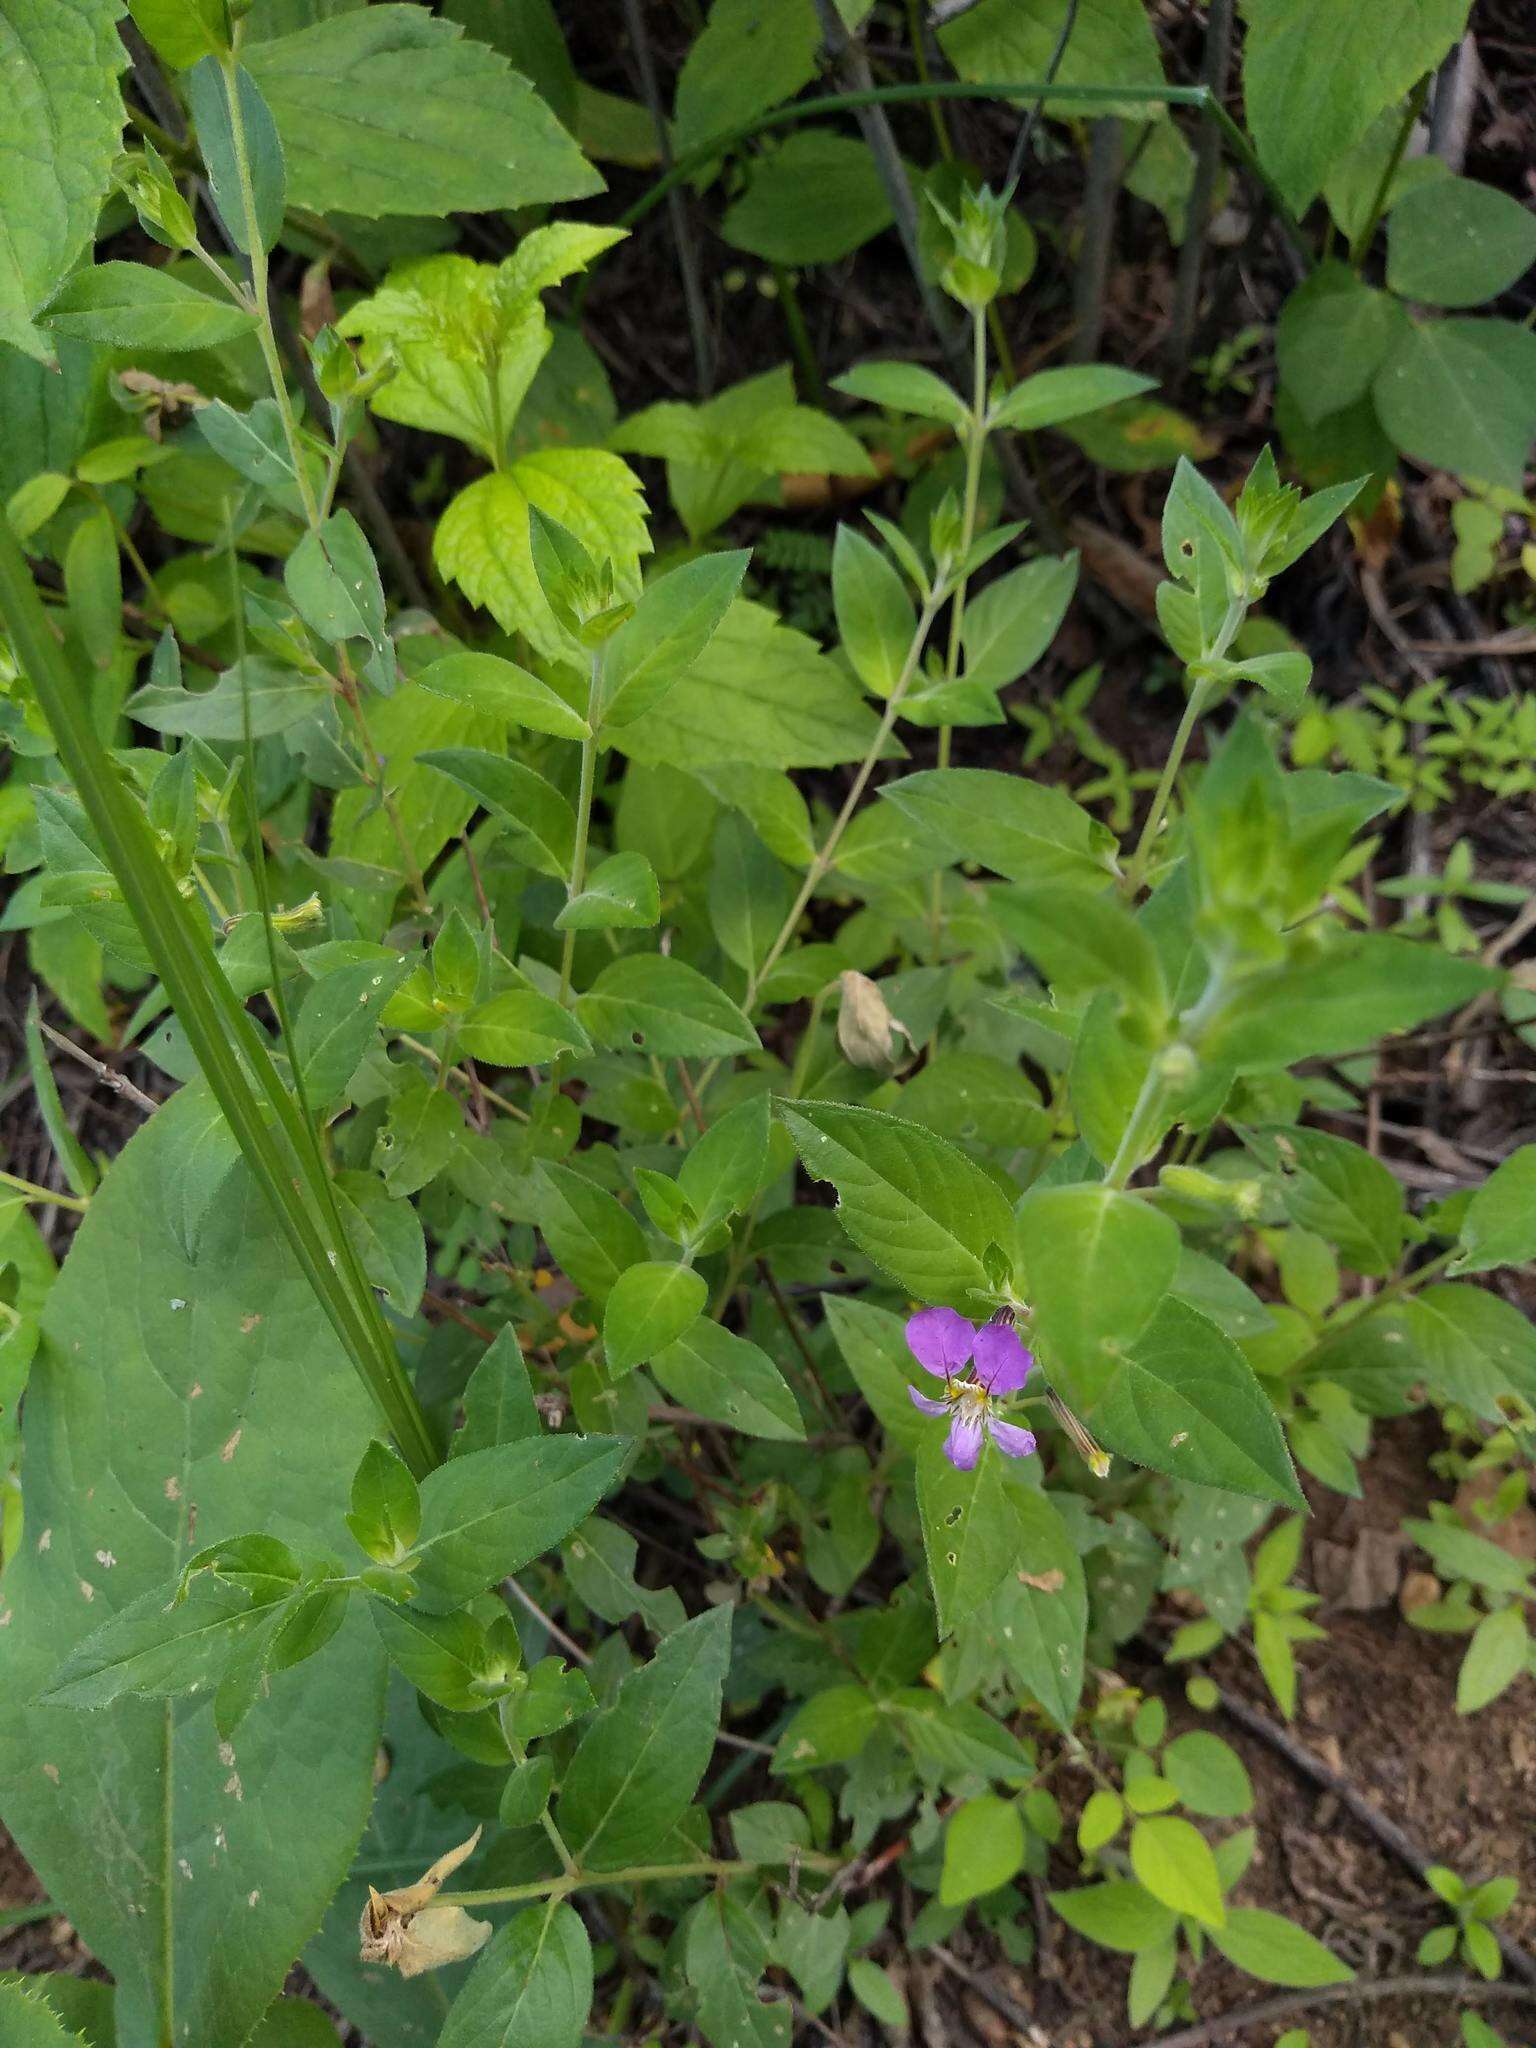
(1012, 1441)
(1002, 1363)
(962, 1446)
(940, 1340)
(926, 1401)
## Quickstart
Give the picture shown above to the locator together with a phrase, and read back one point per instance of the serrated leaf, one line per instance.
(531, 1987)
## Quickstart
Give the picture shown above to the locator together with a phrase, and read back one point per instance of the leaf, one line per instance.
(482, 541)
(759, 693)
(1120, 1914)
(875, 619)
(64, 119)
(971, 1534)
(724, 1170)
(652, 1003)
(27, 2020)
(725, 1951)
(1277, 1951)
(1333, 332)
(156, 1647)
(1082, 942)
(1010, 624)
(832, 1727)
(674, 621)
(488, 1514)
(914, 1202)
(877, 1991)
(1315, 76)
(904, 387)
(1499, 1228)
(500, 689)
(337, 1023)
(129, 305)
(748, 893)
(1051, 396)
(1340, 1191)
(983, 1848)
(1456, 243)
(278, 698)
(442, 1655)
(1496, 1656)
(1461, 395)
(1208, 1775)
(640, 1761)
(1173, 1860)
(750, 55)
(521, 1028)
(1025, 830)
(728, 1380)
(531, 1987)
(211, 1340)
(814, 199)
(498, 1401)
(1111, 44)
(392, 110)
(1037, 1620)
(1096, 1265)
(592, 1236)
(874, 1349)
(651, 1305)
(620, 895)
(540, 823)
(600, 1562)
(247, 183)
(1185, 1401)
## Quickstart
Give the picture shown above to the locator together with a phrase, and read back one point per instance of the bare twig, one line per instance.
(1186, 293)
(1105, 161)
(109, 1077)
(677, 206)
(1363, 1991)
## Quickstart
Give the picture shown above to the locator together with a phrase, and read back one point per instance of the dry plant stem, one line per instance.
(677, 207)
(109, 1077)
(1105, 160)
(1371, 1818)
(1363, 1991)
(1186, 292)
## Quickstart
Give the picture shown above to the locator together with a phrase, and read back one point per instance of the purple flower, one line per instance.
(944, 1344)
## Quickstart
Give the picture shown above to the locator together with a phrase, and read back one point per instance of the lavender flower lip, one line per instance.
(944, 1344)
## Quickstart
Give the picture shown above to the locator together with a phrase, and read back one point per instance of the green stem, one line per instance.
(637, 1873)
(34, 1193)
(583, 823)
(1149, 1102)
(1360, 249)
(1199, 97)
(1141, 859)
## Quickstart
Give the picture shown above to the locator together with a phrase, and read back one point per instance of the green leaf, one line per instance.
(337, 1023)
(1461, 395)
(877, 1992)
(725, 1951)
(203, 1328)
(498, 1401)
(1096, 1264)
(1208, 1775)
(531, 1986)
(1333, 333)
(294, 2023)
(1499, 1228)
(1082, 942)
(831, 1728)
(1100, 1821)
(521, 1028)
(262, 181)
(592, 1236)
(130, 305)
(278, 698)
(442, 1655)
(1315, 76)
(600, 1562)
(1010, 624)
(1362, 987)
(751, 55)
(724, 1170)
(1456, 243)
(649, 1002)
(1111, 43)
(1276, 1950)
(814, 199)
(1496, 1656)
(482, 540)
(620, 894)
(1120, 1914)
(1025, 830)
(874, 1349)
(1339, 1190)
(500, 689)
(1173, 1860)
(1037, 1620)
(983, 1848)
(160, 1647)
(640, 1761)
(729, 1380)
(64, 120)
(1051, 396)
(488, 1514)
(971, 1530)
(904, 387)
(1185, 1401)
(28, 2020)
(540, 824)
(914, 1202)
(430, 122)
(650, 1306)
(813, 1947)
(875, 618)
(675, 620)
(748, 893)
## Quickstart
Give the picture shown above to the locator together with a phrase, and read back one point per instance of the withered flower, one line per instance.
(404, 1929)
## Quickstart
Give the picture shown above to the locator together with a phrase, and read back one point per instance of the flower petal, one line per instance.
(926, 1401)
(1002, 1363)
(1012, 1441)
(962, 1446)
(940, 1340)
